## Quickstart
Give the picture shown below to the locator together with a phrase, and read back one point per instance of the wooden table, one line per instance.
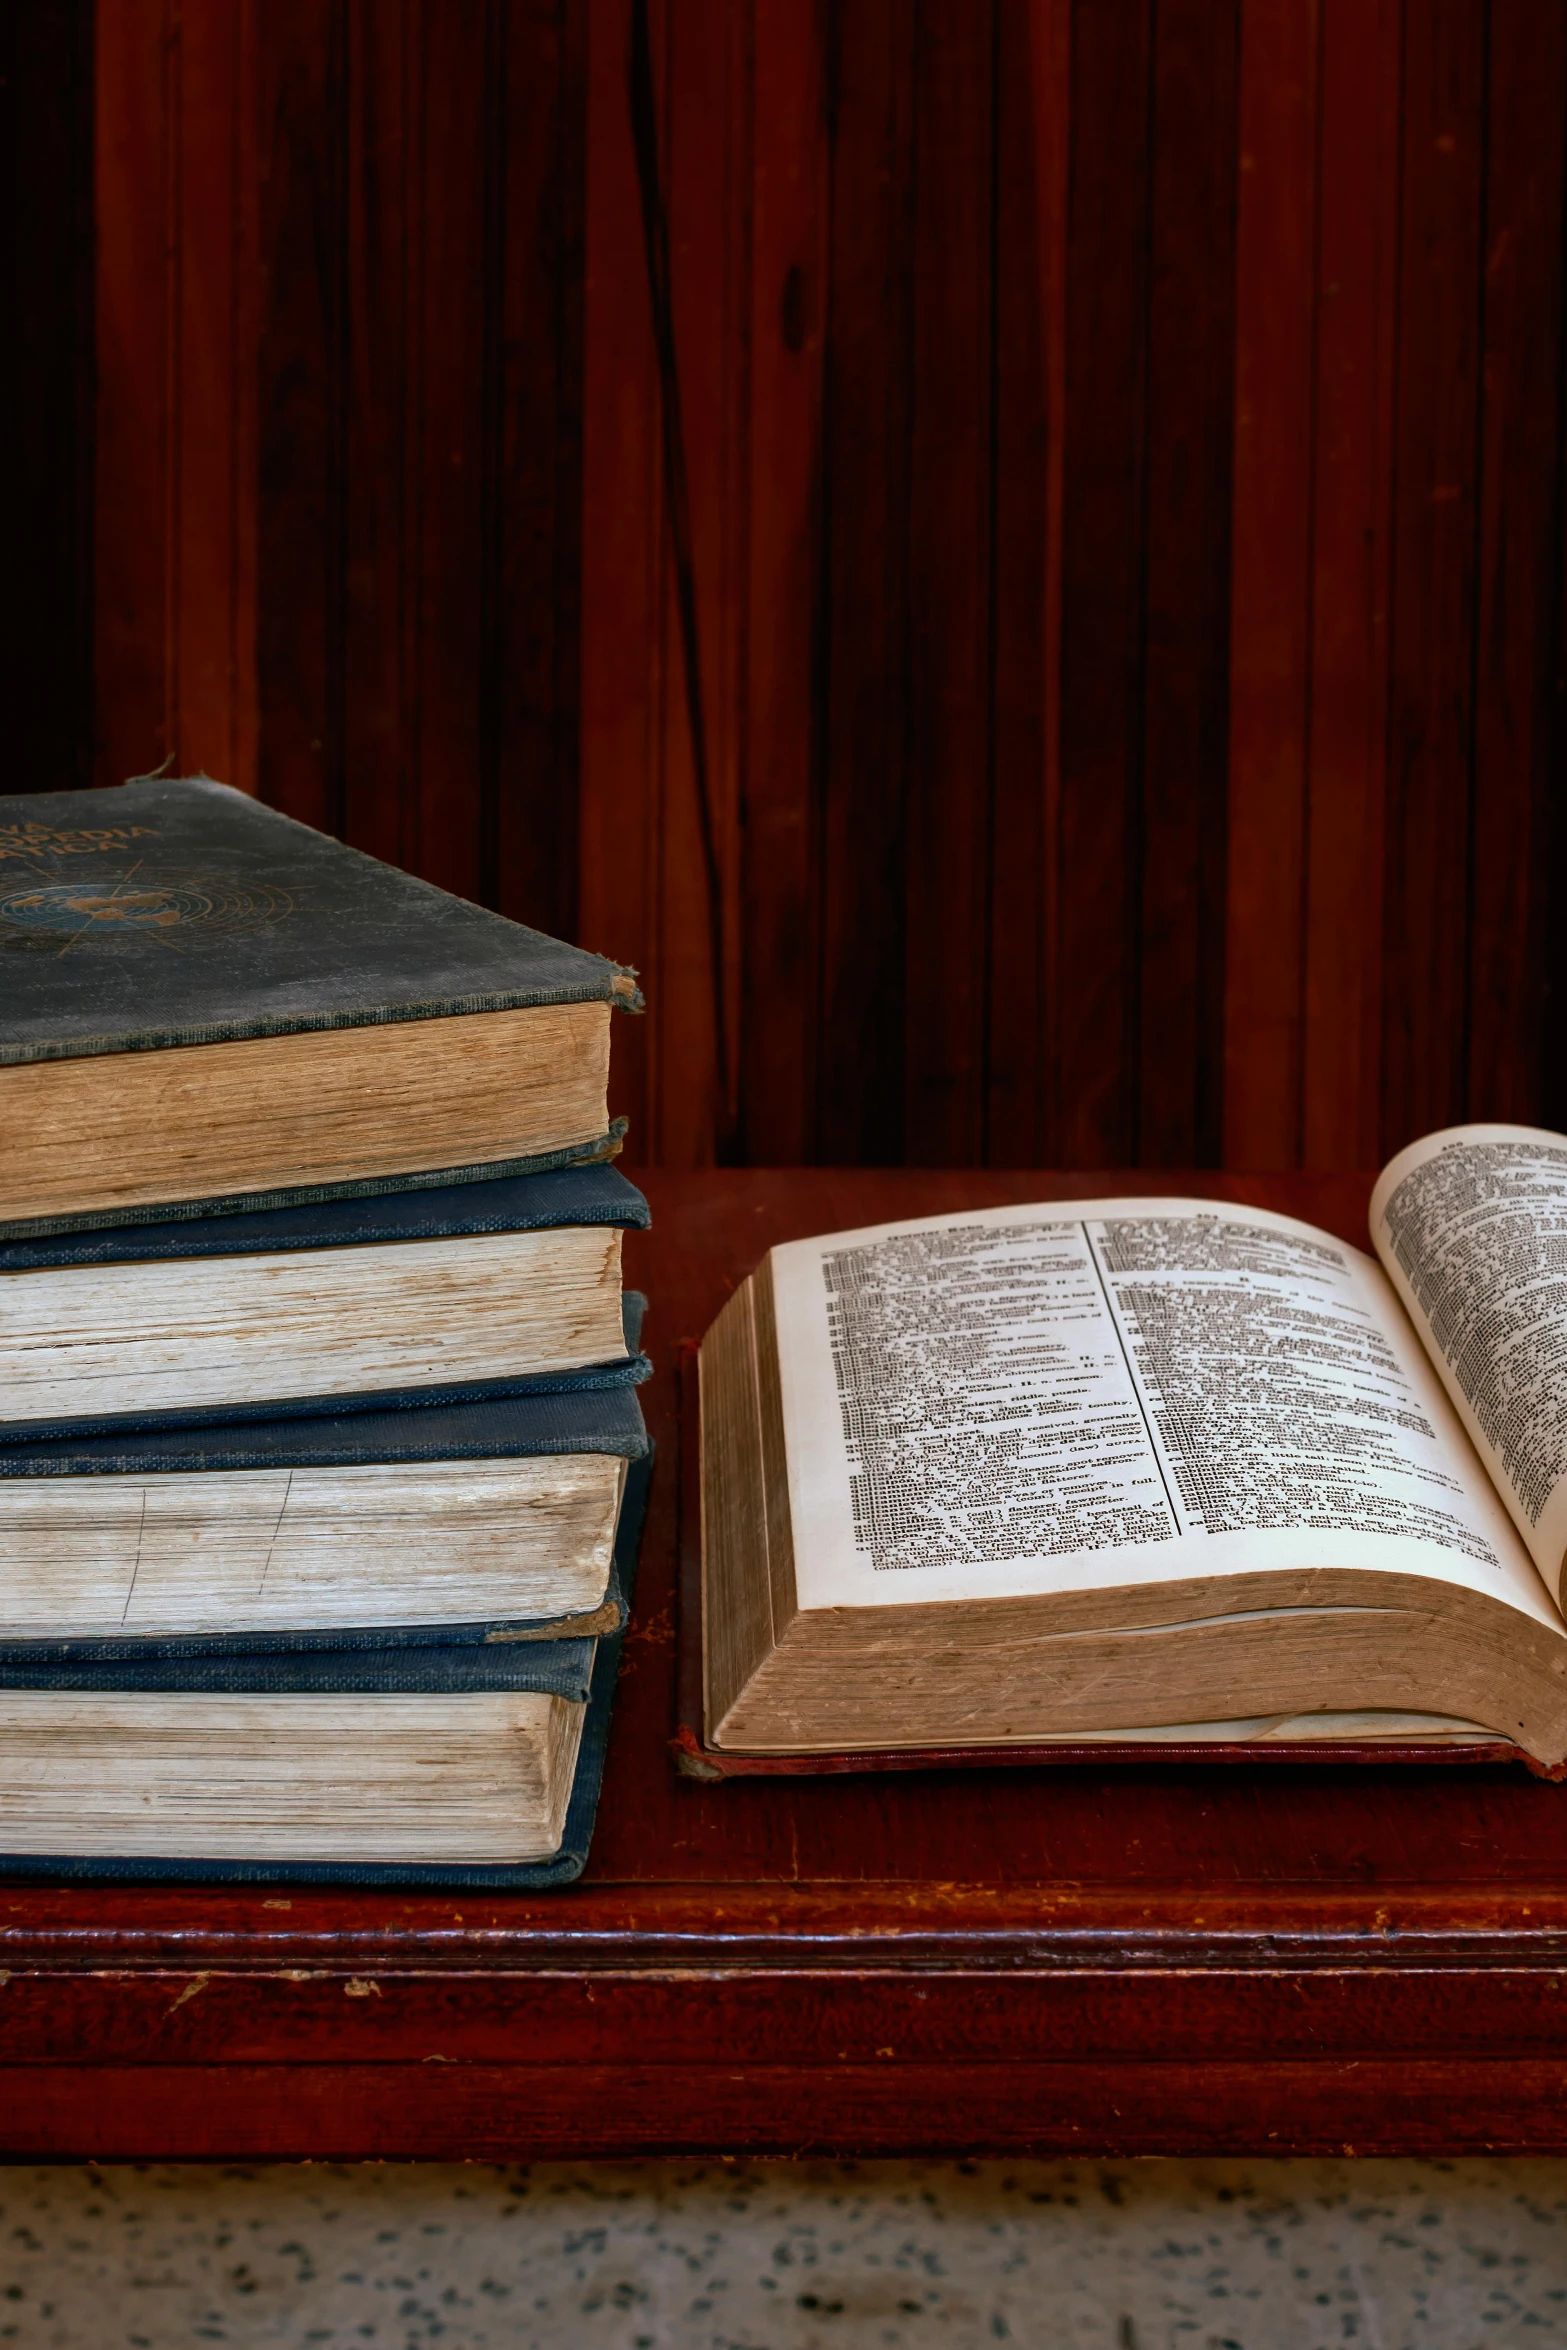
(1117, 1960)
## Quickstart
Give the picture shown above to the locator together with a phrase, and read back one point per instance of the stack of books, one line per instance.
(321, 1461)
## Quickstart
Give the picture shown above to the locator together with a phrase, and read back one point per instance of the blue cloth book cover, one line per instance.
(594, 1196)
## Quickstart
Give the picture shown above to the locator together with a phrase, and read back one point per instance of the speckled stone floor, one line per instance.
(1465, 2255)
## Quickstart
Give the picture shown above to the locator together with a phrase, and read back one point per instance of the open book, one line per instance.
(1150, 1468)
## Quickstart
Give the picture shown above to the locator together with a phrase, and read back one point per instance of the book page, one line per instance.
(1079, 1396)
(1471, 1224)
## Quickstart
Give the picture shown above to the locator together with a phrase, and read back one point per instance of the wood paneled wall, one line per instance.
(340, 305)
(1122, 445)
(46, 389)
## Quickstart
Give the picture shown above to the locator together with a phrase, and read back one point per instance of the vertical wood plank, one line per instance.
(1435, 571)
(1102, 558)
(302, 72)
(376, 383)
(1030, 133)
(778, 934)
(1034, 146)
(1520, 557)
(453, 273)
(959, 434)
(1351, 589)
(1191, 363)
(531, 754)
(1270, 629)
(860, 1089)
(708, 175)
(212, 396)
(136, 299)
(420, 358)
(176, 518)
(622, 575)
(951, 573)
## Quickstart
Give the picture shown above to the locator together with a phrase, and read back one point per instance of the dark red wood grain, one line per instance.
(1270, 677)
(707, 159)
(779, 931)
(623, 603)
(1099, 848)
(375, 278)
(1186, 589)
(858, 1100)
(1126, 484)
(1517, 674)
(536, 165)
(1135, 1959)
(418, 480)
(302, 421)
(1029, 155)
(952, 584)
(1435, 570)
(1354, 315)
(133, 641)
(1361, 2104)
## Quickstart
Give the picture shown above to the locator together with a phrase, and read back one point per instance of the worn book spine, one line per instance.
(199, 1647)
(174, 1214)
(590, 1666)
(629, 1370)
(541, 1202)
(587, 1421)
(605, 1420)
(559, 1668)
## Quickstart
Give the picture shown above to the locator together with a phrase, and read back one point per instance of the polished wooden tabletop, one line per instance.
(1116, 1959)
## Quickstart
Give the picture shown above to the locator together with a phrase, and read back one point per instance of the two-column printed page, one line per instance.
(1471, 1225)
(1099, 1393)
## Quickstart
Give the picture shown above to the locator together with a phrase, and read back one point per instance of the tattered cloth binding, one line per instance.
(696, 1759)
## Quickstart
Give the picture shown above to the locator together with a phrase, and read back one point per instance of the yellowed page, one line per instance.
(1081, 1395)
(383, 1542)
(1471, 1225)
(180, 1332)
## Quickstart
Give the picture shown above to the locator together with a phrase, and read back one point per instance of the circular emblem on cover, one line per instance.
(103, 909)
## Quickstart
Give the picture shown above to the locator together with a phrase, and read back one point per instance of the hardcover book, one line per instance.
(1167, 1470)
(452, 1295)
(458, 1524)
(459, 1767)
(208, 1006)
